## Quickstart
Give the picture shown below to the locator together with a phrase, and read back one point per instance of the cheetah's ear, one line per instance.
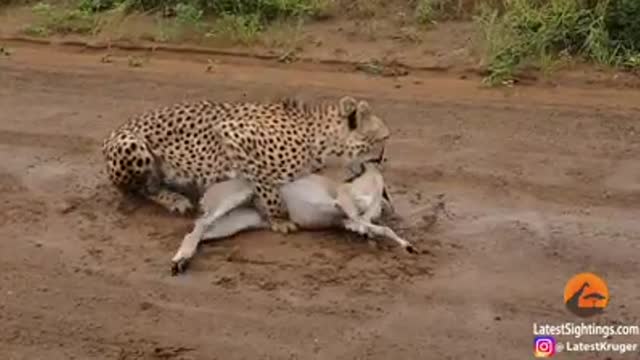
(347, 105)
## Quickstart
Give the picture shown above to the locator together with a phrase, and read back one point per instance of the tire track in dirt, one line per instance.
(516, 186)
(418, 88)
(77, 144)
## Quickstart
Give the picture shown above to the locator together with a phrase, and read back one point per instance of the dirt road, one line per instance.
(542, 183)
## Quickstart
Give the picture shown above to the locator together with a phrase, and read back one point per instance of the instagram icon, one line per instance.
(544, 346)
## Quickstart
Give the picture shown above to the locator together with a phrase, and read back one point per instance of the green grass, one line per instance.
(430, 11)
(242, 29)
(515, 34)
(50, 20)
(236, 21)
(540, 33)
(266, 10)
(426, 11)
(359, 9)
(188, 18)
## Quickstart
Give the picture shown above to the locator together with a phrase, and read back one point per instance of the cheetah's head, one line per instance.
(365, 134)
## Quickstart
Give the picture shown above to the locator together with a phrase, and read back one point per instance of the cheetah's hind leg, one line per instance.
(270, 202)
(133, 168)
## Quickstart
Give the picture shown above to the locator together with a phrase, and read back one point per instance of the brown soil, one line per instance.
(542, 183)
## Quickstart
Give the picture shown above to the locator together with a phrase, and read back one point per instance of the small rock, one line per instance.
(233, 254)
(268, 285)
(145, 305)
(497, 318)
(106, 59)
(225, 282)
(65, 207)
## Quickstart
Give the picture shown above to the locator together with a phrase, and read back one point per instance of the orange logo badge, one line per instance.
(586, 294)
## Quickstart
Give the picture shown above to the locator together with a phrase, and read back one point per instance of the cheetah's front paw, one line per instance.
(181, 206)
(283, 226)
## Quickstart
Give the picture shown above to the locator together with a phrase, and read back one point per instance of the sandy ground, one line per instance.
(542, 183)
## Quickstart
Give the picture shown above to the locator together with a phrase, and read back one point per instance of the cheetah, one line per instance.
(171, 155)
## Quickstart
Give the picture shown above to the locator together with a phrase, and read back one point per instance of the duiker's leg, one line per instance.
(228, 224)
(190, 243)
(234, 222)
(372, 229)
(219, 199)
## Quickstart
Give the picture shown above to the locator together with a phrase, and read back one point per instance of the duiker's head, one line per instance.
(372, 168)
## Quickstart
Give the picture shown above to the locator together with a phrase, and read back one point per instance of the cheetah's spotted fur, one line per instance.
(172, 154)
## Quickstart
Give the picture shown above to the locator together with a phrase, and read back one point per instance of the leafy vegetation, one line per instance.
(238, 21)
(265, 10)
(430, 11)
(538, 32)
(55, 20)
(242, 29)
(515, 34)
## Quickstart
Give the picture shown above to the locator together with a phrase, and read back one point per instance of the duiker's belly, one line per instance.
(310, 204)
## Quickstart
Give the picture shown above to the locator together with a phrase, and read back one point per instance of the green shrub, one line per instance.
(530, 30)
(55, 20)
(187, 14)
(266, 10)
(623, 23)
(426, 11)
(429, 11)
(242, 29)
(96, 5)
